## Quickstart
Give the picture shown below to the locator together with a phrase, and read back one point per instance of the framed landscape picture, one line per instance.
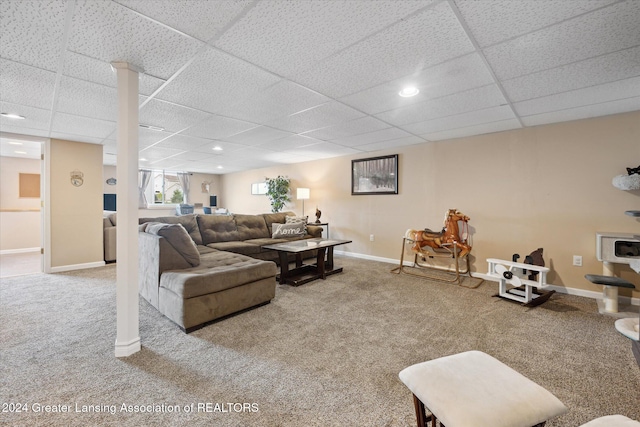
(375, 175)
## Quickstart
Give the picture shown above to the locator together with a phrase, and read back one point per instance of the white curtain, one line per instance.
(143, 181)
(183, 177)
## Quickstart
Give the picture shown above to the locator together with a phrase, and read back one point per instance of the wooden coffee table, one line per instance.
(304, 273)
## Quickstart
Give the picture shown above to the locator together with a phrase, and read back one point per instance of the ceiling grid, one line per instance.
(278, 82)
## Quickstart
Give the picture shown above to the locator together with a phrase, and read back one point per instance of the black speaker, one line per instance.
(213, 201)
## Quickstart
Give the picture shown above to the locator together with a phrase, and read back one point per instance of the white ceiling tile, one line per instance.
(596, 110)
(22, 130)
(371, 137)
(200, 19)
(147, 137)
(110, 32)
(33, 32)
(14, 147)
(88, 99)
(183, 142)
(155, 154)
(393, 143)
(323, 150)
(227, 147)
(594, 71)
(470, 100)
(214, 80)
(76, 125)
(219, 127)
(497, 20)
(419, 41)
(34, 118)
(331, 113)
(290, 142)
(194, 156)
(569, 41)
(171, 117)
(474, 130)
(258, 135)
(93, 70)
(353, 127)
(25, 85)
(453, 76)
(577, 98)
(279, 100)
(77, 138)
(288, 36)
(464, 120)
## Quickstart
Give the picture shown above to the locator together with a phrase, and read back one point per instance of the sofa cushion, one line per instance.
(218, 271)
(296, 219)
(177, 236)
(279, 218)
(217, 228)
(236, 247)
(251, 227)
(289, 230)
(188, 222)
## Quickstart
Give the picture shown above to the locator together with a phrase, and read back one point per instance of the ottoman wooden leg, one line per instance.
(421, 414)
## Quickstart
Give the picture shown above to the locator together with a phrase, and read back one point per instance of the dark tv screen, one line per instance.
(109, 202)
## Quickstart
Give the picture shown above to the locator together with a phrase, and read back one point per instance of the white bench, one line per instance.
(475, 389)
(525, 291)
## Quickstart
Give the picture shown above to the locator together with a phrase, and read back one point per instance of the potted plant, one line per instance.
(278, 192)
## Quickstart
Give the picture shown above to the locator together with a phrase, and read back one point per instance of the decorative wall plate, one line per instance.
(77, 178)
(111, 181)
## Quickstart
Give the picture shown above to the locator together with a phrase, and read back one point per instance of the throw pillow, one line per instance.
(289, 230)
(296, 219)
(177, 237)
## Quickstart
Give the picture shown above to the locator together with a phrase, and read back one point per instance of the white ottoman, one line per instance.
(612, 421)
(473, 389)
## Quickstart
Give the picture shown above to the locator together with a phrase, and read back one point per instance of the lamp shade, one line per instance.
(303, 194)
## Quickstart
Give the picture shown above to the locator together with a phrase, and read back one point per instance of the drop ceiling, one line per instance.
(285, 81)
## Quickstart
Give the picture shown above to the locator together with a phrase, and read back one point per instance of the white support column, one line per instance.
(128, 336)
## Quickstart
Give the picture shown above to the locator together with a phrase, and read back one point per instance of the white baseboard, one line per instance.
(72, 267)
(560, 289)
(19, 251)
(126, 349)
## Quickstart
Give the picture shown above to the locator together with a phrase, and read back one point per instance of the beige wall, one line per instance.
(546, 186)
(75, 212)
(20, 218)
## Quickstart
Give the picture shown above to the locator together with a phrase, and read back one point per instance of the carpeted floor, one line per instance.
(20, 264)
(326, 353)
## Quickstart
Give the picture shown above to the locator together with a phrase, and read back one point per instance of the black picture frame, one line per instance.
(374, 175)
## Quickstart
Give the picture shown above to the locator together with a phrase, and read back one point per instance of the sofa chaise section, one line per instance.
(221, 284)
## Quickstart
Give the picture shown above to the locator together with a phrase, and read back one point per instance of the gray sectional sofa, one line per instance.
(199, 268)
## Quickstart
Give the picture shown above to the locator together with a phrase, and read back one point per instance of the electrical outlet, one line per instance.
(371, 238)
(577, 260)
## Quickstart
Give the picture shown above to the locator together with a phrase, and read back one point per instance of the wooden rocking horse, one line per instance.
(437, 240)
(448, 243)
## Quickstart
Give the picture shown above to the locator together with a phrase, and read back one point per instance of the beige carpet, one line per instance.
(327, 353)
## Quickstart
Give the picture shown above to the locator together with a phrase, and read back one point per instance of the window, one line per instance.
(164, 188)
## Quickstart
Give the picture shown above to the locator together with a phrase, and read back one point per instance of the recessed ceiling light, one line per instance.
(143, 160)
(220, 167)
(409, 92)
(12, 116)
(20, 152)
(217, 148)
(150, 127)
(15, 143)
